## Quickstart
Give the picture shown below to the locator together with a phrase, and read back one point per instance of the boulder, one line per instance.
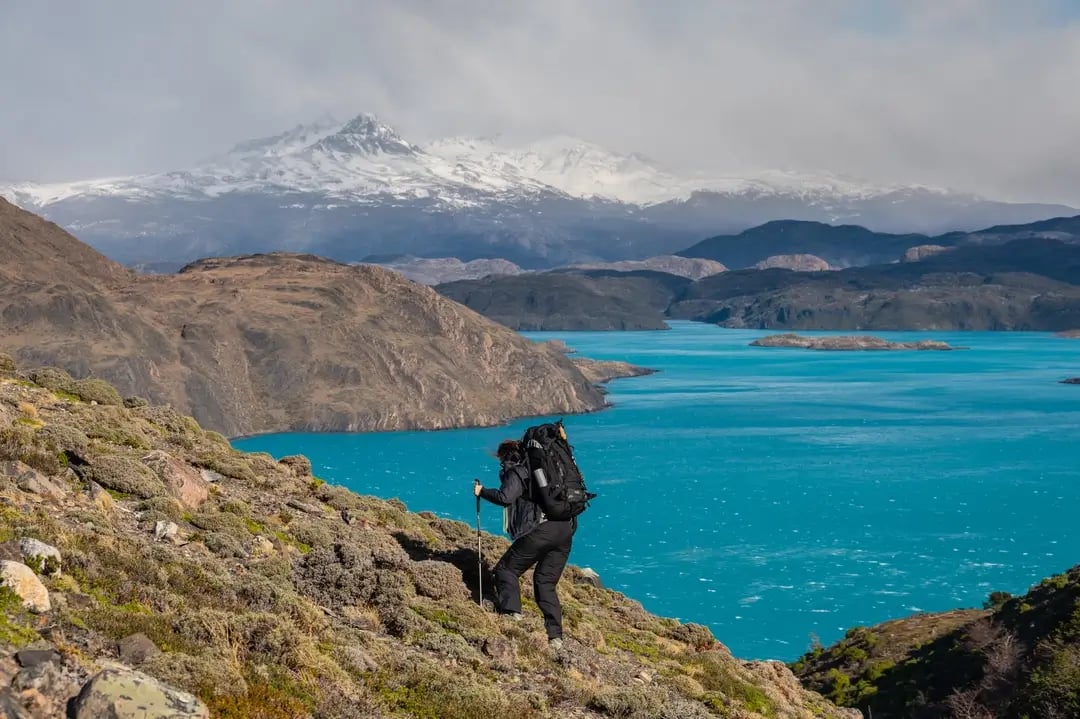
(7, 364)
(588, 576)
(182, 481)
(33, 657)
(165, 531)
(128, 694)
(303, 506)
(21, 579)
(135, 649)
(36, 553)
(30, 480)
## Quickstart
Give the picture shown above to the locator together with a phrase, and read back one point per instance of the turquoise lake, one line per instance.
(773, 494)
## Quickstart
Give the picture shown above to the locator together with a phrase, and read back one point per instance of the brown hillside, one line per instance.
(273, 342)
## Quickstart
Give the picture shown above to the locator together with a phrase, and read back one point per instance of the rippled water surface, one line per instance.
(775, 493)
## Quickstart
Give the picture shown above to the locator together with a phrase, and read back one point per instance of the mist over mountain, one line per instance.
(353, 189)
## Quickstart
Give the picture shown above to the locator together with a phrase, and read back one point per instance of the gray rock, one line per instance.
(33, 657)
(30, 480)
(126, 694)
(10, 707)
(303, 506)
(38, 553)
(165, 530)
(136, 649)
(20, 579)
(590, 577)
(211, 476)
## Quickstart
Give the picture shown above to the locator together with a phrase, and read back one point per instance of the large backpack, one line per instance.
(557, 484)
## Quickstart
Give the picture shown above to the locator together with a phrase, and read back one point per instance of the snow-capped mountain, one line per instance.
(357, 188)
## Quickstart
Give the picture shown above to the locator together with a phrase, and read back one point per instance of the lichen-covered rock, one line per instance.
(7, 364)
(31, 480)
(21, 580)
(588, 576)
(182, 480)
(165, 531)
(123, 474)
(43, 557)
(120, 694)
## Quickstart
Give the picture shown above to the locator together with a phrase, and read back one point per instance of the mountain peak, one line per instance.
(365, 134)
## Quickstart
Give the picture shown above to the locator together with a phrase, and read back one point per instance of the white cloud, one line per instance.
(976, 95)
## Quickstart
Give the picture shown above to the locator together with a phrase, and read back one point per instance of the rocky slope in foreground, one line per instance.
(272, 342)
(268, 593)
(1017, 658)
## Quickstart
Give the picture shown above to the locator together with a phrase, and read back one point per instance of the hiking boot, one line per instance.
(512, 616)
(556, 644)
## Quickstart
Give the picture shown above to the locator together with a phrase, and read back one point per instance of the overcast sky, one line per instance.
(979, 95)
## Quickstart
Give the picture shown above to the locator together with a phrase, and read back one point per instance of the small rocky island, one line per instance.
(846, 342)
(1071, 380)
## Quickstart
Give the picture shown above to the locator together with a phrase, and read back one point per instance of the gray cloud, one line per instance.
(971, 94)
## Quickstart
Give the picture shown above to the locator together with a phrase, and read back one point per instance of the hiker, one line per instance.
(537, 541)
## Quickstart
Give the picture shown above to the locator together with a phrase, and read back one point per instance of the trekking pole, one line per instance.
(479, 555)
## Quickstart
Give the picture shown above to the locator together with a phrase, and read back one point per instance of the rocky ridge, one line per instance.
(437, 270)
(847, 343)
(693, 268)
(223, 584)
(596, 300)
(275, 342)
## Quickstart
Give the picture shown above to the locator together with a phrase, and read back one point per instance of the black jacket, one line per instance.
(522, 515)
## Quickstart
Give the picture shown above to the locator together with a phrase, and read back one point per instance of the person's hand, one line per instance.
(477, 488)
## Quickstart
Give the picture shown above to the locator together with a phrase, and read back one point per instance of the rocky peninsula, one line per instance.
(847, 343)
(150, 571)
(1071, 380)
(1070, 334)
(601, 371)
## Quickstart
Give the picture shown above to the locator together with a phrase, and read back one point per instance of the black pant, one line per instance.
(548, 547)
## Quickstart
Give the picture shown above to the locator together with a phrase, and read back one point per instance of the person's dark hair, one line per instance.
(509, 449)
